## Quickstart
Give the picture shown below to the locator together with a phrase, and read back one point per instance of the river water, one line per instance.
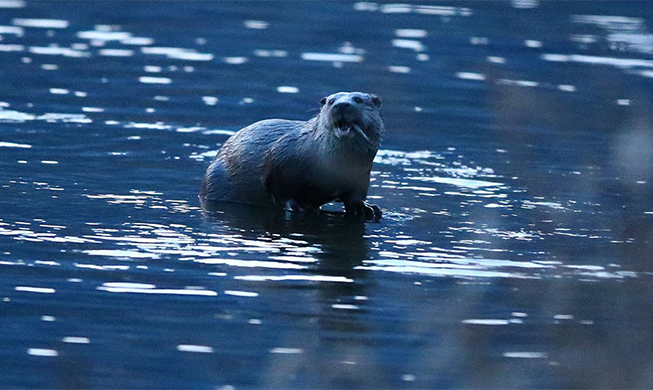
(516, 179)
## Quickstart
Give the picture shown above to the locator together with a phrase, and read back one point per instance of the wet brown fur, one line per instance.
(302, 165)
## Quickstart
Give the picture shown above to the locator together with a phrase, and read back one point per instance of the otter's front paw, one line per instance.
(369, 212)
(372, 212)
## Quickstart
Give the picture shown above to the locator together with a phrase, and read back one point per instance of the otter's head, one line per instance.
(353, 119)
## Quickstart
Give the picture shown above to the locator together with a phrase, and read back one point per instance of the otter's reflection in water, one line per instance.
(337, 241)
(340, 246)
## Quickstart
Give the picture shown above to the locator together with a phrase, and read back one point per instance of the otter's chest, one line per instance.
(340, 173)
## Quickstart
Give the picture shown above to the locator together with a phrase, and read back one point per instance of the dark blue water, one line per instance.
(516, 180)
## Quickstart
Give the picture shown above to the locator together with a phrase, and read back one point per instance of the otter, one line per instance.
(302, 165)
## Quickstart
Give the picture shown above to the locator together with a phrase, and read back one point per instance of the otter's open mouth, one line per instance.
(346, 129)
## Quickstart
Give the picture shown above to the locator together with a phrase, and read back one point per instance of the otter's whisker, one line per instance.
(362, 133)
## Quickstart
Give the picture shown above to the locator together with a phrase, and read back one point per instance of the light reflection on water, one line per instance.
(442, 175)
(514, 179)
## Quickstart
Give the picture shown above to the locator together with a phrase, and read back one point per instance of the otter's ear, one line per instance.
(323, 101)
(376, 100)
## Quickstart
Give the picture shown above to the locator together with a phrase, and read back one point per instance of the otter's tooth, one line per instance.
(361, 132)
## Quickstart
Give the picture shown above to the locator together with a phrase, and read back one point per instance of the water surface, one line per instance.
(515, 179)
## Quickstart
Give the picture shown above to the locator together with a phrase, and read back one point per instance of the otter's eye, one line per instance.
(376, 100)
(323, 101)
(358, 100)
(331, 101)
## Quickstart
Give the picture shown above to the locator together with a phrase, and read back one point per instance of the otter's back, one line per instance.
(236, 172)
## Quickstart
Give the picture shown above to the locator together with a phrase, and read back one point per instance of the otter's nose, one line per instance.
(343, 107)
